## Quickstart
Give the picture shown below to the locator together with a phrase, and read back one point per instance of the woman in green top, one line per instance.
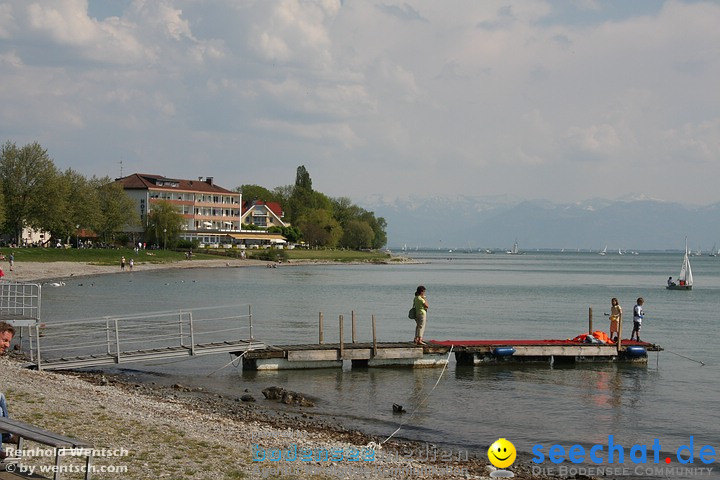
(421, 306)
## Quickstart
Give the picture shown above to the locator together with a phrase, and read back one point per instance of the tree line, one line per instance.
(319, 220)
(34, 193)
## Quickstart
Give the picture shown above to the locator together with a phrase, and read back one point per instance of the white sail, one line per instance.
(686, 270)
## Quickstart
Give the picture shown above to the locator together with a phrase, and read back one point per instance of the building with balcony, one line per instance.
(263, 214)
(211, 213)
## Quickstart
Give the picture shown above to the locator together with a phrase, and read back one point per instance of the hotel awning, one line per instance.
(271, 237)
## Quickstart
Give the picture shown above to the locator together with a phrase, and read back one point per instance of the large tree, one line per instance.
(117, 210)
(77, 205)
(165, 223)
(320, 229)
(30, 187)
(256, 192)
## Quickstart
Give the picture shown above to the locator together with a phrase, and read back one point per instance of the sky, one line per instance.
(557, 100)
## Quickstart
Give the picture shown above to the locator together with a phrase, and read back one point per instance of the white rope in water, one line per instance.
(238, 358)
(374, 445)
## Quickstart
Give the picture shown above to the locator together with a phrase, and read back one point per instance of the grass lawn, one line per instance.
(111, 256)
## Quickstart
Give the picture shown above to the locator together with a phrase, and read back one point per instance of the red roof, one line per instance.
(141, 181)
(274, 207)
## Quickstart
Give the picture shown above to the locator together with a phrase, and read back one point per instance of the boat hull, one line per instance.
(679, 287)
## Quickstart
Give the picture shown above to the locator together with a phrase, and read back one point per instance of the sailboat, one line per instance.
(604, 251)
(685, 279)
(515, 250)
(714, 252)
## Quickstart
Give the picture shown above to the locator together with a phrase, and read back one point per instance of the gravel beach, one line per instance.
(143, 431)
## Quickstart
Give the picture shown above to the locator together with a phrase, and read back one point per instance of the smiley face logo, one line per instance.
(502, 453)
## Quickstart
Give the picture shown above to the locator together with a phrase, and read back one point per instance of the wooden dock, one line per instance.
(436, 353)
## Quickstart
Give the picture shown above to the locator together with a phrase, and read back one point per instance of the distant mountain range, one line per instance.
(468, 222)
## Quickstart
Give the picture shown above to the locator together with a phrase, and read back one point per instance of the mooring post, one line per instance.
(342, 347)
(352, 318)
(374, 337)
(321, 340)
(250, 320)
(590, 330)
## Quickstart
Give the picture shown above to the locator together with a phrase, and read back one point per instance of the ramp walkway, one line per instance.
(143, 337)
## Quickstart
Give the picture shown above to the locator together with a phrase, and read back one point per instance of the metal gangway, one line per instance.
(119, 339)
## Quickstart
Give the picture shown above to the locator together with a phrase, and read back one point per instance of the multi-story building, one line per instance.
(212, 213)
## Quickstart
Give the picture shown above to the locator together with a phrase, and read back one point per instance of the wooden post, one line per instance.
(374, 337)
(619, 342)
(590, 329)
(342, 347)
(321, 340)
(352, 318)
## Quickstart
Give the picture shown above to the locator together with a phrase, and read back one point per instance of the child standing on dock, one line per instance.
(615, 312)
(638, 315)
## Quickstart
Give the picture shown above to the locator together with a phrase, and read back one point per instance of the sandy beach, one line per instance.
(46, 271)
(176, 432)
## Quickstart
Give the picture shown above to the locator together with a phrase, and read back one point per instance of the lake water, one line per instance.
(471, 296)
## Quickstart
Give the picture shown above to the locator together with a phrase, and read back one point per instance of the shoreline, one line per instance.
(38, 272)
(45, 271)
(180, 432)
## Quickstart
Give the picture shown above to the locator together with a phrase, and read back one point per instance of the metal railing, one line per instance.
(122, 337)
(20, 300)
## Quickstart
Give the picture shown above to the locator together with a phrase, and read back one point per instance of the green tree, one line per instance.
(165, 223)
(379, 227)
(346, 212)
(291, 233)
(117, 210)
(320, 229)
(357, 235)
(29, 183)
(256, 192)
(77, 205)
(301, 198)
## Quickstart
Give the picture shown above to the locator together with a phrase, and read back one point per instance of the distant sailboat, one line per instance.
(515, 250)
(685, 279)
(714, 252)
(619, 252)
(604, 251)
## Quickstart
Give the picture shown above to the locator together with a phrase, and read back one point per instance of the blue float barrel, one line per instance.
(503, 351)
(636, 351)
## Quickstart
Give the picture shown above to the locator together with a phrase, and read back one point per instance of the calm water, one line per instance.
(471, 296)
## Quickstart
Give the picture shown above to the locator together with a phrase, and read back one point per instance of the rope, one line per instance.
(687, 358)
(238, 358)
(374, 445)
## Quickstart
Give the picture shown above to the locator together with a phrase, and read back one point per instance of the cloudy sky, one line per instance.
(560, 100)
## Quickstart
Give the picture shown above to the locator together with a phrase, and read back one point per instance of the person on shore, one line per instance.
(421, 305)
(122, 263)
(615, 312)
(132, 262)
(638, 315)
(7, 332)
(12, 261)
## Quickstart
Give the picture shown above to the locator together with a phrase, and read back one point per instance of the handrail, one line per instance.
(118, 336)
